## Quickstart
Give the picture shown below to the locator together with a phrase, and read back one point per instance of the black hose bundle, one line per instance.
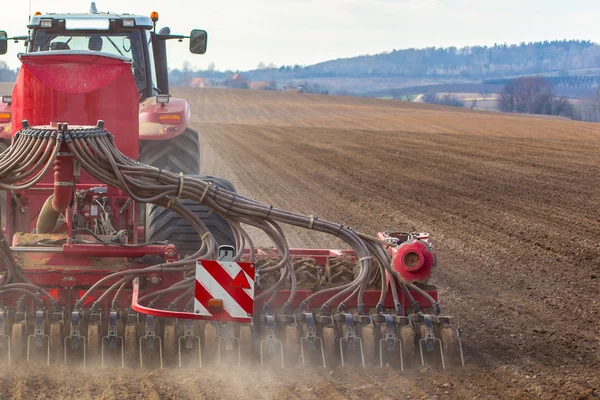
(34, 150)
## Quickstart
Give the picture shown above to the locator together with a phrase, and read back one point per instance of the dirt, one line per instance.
(510, 202)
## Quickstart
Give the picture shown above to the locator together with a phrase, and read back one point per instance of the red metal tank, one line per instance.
(78, 88)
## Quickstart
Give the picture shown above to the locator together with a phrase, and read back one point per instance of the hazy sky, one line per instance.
(243, 33)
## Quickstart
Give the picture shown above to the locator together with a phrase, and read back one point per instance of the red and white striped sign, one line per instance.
(231, 282)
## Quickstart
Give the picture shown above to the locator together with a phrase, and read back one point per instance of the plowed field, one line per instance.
(512, 204)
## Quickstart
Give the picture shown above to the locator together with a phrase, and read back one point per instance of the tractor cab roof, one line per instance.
(89, 21)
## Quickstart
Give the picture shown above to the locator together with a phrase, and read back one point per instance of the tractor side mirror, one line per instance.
(3, 42)
(198, 39)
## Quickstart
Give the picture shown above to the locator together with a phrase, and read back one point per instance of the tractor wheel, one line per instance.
(179, 154)
(163, 224)
(3, 146)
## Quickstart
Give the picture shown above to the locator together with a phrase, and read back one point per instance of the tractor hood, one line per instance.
(79, 88)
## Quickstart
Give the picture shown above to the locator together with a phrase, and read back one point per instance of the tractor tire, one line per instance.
(163, 224)
(179, 154)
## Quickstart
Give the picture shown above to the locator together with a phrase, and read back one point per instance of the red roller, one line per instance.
(413, 261)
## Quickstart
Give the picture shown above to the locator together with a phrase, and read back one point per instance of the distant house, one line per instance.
(237, 81)
(198, 83)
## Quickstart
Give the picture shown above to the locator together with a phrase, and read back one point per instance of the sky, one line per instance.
(243, 33)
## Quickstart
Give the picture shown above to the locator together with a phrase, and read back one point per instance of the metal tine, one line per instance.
(271, 341)
(429, 340)
(181, 338)
(150, 337)
(122, 350)
(350, 337)
(112, 334)
(311, 337)
(459, 332)
(390, 336)
(75, 336)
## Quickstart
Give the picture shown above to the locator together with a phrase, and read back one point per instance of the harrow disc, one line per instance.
(131, 345)
(246, 345)
(369, 340)
(407, 337)
(94, 341)
(291, 344)
(170, 345)
(211, 343)
(56, 338)
(329, 346)
(450, 346)
(18, 341)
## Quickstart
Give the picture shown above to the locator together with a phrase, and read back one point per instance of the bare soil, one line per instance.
(512, 206)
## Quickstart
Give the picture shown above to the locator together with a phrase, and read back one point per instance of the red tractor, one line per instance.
(89, 278)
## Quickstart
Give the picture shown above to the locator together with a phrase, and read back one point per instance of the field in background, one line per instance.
(499, 193)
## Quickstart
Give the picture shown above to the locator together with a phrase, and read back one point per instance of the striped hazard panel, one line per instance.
(224, 290)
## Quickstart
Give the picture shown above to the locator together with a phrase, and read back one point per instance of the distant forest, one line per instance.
(467, 63)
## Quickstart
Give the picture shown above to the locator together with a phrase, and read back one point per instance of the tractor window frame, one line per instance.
(141, 65)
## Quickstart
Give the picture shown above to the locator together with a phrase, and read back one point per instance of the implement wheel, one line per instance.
(131, 345)
(170, 345)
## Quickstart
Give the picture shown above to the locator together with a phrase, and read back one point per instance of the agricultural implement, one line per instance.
(116, 251)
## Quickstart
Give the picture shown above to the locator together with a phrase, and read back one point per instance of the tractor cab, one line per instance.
(132, 39)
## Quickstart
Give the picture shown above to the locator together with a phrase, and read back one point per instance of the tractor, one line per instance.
(117, 252)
